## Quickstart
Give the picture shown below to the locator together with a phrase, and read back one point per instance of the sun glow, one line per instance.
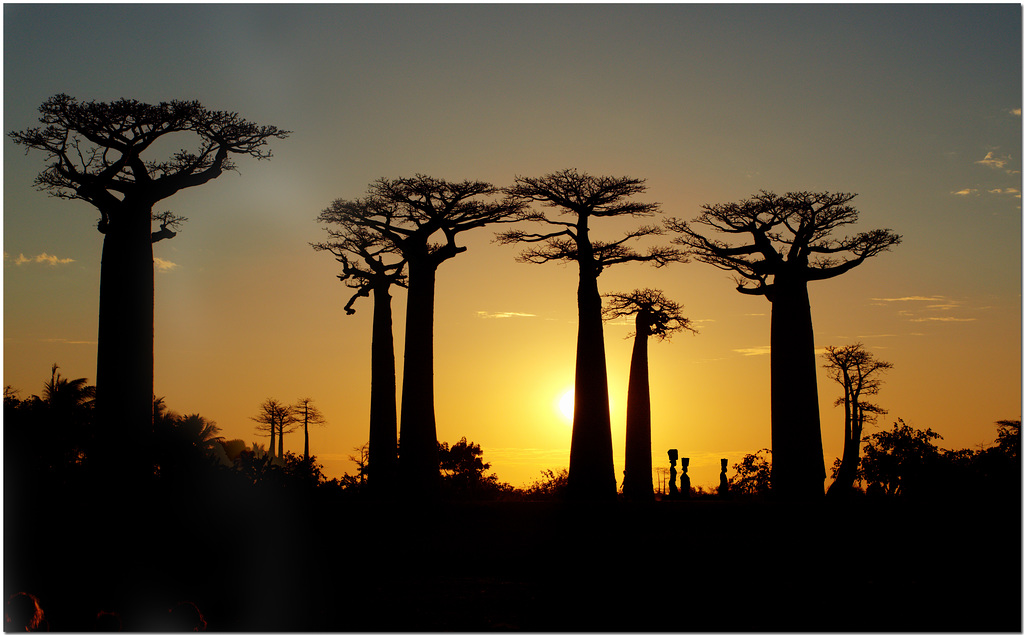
(566, 404)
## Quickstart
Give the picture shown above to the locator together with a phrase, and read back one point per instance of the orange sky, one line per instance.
(916, 108)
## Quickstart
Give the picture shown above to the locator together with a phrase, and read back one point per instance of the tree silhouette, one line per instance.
(656, 316)
(372, 264)
(856, 370)
(275, 419)
(309, 415)
(94, 153)
(897, 462)
(789, 243)
(408, 213)
(586, 198)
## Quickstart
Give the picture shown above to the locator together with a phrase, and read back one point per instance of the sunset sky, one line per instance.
(917, 108)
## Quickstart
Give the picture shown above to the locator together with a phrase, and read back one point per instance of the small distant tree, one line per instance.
(787, 243)
(275, 419)
(858, 372)
(309, 415)
(659, 317)
(753, 474)
(585, 199)
(897, 462)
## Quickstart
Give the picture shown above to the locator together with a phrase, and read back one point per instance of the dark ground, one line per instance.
(288, 563)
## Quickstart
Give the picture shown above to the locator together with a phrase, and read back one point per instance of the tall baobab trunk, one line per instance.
(843, 485)
(273, 437)
(382, 453)
(637, 484)
(591, 467)
(280, 438)
(798, 468)
(124, 356)
(418, 440)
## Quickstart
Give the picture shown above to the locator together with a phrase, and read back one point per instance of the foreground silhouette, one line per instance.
(789, 242)
(95, 154)
(586, 198)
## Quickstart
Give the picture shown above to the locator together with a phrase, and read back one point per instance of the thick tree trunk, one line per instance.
(638, 484)
(418, 441)
(798, 468)
(591, 467)
(382, 459)
(124, 357)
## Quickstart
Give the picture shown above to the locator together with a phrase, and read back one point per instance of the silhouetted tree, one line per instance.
(408, 213)
(275, 419)
(585, 198)
(309, 415)
(1008, 437)
(372, 264)
(898, 462)
(856, 370)
(95, 153)
(656, 316)
(462, 463)
(753, 474)
(789, 242)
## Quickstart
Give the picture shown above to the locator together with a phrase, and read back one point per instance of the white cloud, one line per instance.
(43, 258)
(162, 265)
(502, 314)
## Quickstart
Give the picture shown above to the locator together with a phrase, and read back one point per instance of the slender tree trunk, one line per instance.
(273, 438)
(280, 440)
(418, 441)
(637, 484)
(305, 431)
(124, 359)
(382, 460)
(591, 467)
(798, 468)
(841, 485)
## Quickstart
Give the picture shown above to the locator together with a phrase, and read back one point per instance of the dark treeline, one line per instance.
(116, 505)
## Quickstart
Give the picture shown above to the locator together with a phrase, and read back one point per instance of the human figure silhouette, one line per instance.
(723, 480)
(684, 478)
(673, 456)
(23, 613)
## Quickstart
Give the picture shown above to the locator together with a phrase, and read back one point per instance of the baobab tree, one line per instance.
(659, 317)
(371, 264)
(309, 415)
(857, 371)
(788, 243)
(95, 153)
(408, 213)
(275, 419)
(583, 198)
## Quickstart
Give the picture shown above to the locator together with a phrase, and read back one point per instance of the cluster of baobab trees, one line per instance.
(788, 242)
(399, 234)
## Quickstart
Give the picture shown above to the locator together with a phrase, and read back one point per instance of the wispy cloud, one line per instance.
(501, 314)
(61, 340)
(912, 298)
(943, 319)
(967, 191)
(163, 266)
(43, 258)
(1008, 191)
(750, 352)
(994, 161)
(1015, 112)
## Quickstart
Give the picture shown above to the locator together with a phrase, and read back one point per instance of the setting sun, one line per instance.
(566, 404)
